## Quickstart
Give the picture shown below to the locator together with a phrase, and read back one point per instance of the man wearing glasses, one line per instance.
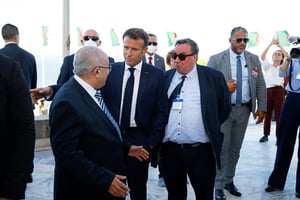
(90, 38)
(199, 102)
(89, 150)
(243, 73)
(151, 57)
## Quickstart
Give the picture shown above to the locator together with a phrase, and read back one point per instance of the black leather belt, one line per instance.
(187, 146)
(242, 104)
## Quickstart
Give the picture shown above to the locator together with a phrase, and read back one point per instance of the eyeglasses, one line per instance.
(109, 67)
(239, 40)
(94, 38)
(154, 43)
(181, 56)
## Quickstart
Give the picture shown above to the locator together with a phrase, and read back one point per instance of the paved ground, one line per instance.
(254, 167)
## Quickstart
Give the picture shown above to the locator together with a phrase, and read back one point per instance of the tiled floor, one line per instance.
(255, 164)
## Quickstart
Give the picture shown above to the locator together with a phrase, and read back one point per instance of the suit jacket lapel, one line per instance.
(94, 107)
(144, 78)
(203, 88)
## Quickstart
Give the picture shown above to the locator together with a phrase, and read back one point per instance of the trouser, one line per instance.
(234, 129)
(289, 125)
(275, 100)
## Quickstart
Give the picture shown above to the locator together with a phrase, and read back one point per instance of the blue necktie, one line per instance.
(125, 119)
(238, 80)
(107, 113)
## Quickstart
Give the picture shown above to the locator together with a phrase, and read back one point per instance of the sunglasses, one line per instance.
(94, 38)
(239, 40)
(152, 43)
(181, 56)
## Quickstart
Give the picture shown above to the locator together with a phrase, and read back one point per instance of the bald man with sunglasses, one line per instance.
(90, 38)
(243, 72)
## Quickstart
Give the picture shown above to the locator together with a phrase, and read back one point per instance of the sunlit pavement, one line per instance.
(254, 167)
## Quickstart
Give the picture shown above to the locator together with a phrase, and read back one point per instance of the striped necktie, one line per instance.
(107, 113)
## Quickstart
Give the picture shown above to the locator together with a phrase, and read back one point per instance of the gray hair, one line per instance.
(238, 29)
(87, 58)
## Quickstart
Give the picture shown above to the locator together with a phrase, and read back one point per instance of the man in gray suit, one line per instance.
(151, 57)
(243, 73)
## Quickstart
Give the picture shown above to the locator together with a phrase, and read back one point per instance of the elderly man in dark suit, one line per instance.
(86, 141)
(142, 114)
(243, 74)
(199, 102)
(17, 135)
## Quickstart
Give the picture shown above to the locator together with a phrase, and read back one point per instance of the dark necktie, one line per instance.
(150, 60)
(238, 80)
(125, 119)
(176, 91)
(106, 111)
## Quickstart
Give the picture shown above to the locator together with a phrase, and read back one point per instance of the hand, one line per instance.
(260, 115)
(275, 41)
(39, 93)
(2, 198)
(138, 152)
(118, 188)
(231, 84)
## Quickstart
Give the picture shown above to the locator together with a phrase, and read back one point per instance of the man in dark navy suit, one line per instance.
(10, 34)
(90, 38)
(148, 111)
(89, 150)
(26, 60)
(17, 131)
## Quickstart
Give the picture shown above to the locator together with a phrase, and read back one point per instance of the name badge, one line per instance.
(177, 104)
(298, 76)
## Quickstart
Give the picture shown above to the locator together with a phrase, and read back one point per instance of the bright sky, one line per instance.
(207, 22)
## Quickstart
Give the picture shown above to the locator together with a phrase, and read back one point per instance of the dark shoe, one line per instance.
(297, 195)
(271, 189)
(264, 139)
(219, 194)
(232, 189)
(29, 179)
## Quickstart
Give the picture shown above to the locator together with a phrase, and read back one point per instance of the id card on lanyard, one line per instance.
(177, 103)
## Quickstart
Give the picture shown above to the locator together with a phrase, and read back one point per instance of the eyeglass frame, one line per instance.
(103, 67)
(239, 40)
(88, 37)
(181, 56)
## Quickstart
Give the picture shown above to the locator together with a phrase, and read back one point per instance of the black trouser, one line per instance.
(195, 160)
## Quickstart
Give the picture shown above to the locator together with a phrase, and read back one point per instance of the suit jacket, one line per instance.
(87, 149)
(25, 59)
(215, 104)
(258, 92)
(17, 131)
(66, 70)
(152, 102)
(159, 61)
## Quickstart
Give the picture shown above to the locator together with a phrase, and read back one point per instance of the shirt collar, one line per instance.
(138, 67)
